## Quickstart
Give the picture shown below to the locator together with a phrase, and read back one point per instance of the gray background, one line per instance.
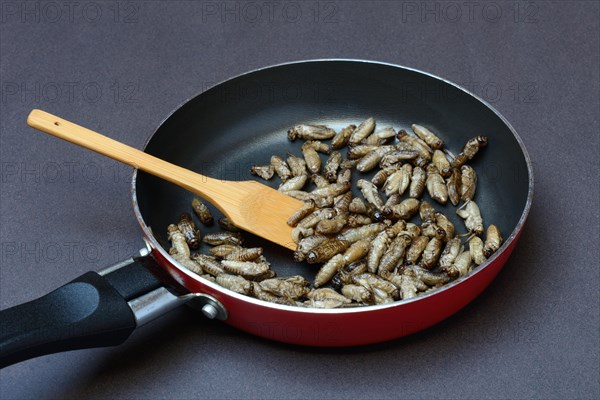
(121, 67)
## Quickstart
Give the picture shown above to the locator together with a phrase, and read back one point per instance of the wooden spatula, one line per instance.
(250, 205)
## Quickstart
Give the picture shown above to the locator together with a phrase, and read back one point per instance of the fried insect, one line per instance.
(348, 164)
(444, 223)
(426, 211)
(262, 294)
(378, 248)
(380, 296)
(307, 244)
(427, 136)
(371, 159)
(412, 230)
(357, 205)
(392, 201)
(398, 182)
(264, 171)
(295, 183)
(247, 269)
(429, 277)
(344, 275)
(235, 283)
(354, 234)
(417, 182)
(493, 240)
(202, 211)
(223, 250)
(476, 250)
(406, 209)
(318, 146)
(341, 139)
(245, 254)
(335, 189)
(431, 230)
(209, 264)
(322, 201)
(382, 175)
(369, 192)
(359, 151)
(332, 165)
(313, 161)
(468, 183)
(441, 163)
(297, 165)
(326, 298)
(345, 175)
(310, 132)
(299, 233)
(218, 238)
(373, 281)
(327, 250)
(398, 157)
(178, 241)
(333, 225)
(469, 150)
(472, 216)
(357, 293)
(315, 217)
(407, 285)
(341, 203)
(188, 263)
(281, 168)
(449, 254)
(431, 254)
(416, 248)
(305, 210)
(357, 251)
(269, 274)
(436, 187)
(319, 181)
(293, 287)
(394, 254)
(187, 226)
(363, 130)
(394, 230)
(380, 136)
(453, 183)
(328, 270)
(417, 144)
(461, 265)
(300, 195)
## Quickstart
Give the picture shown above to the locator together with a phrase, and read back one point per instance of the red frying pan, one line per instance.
(243, 121)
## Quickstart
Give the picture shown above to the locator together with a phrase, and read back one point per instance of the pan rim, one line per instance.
(507, 243)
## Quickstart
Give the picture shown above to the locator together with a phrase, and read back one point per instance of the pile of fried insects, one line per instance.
(369, 251)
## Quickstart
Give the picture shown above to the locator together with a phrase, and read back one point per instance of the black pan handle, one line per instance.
(90, 311)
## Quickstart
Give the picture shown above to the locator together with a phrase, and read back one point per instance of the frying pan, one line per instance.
(242, 121)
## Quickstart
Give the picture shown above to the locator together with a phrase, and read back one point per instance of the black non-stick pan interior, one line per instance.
(225, 130)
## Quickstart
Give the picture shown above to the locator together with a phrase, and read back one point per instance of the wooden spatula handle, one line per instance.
(89, 139)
